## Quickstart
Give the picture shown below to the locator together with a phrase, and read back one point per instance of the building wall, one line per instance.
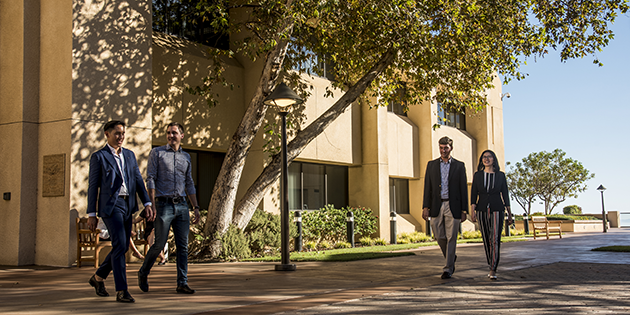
(69, 66)
(34, 110)
(111, 80)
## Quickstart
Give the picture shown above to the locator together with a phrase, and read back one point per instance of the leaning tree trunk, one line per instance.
(221, 207)
(247, 206)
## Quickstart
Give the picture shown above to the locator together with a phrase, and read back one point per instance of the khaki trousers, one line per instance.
(445, 229)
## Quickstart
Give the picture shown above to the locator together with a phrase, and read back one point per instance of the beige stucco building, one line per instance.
(67, 67)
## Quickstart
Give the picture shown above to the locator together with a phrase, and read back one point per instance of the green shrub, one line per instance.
(414, 237)
(365, 222)
(263, 232)
(517, 232)
(330, 224)
(343, 245)
(310, 245)
(234, 244)
(380, 241)
(471, 234)
(366, 241)
(570, 217)
(325, 244)
(402, 241)
(572, 209)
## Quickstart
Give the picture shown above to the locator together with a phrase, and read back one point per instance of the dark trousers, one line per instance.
(119, 227)
(491, 226)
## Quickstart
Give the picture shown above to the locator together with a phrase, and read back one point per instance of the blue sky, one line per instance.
(582, 109)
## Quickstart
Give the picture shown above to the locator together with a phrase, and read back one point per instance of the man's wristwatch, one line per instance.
(196, 208)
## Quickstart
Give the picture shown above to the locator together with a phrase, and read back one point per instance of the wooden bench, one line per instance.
(89, 245)
(540, 223)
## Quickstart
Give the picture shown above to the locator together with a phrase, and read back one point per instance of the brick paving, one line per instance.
(557, 288)
(535, 277)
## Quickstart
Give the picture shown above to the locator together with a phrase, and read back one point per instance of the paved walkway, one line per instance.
(542, 277)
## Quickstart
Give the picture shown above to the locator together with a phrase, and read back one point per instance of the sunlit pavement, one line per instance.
(541, 277)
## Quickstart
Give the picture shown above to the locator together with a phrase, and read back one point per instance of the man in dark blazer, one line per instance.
(445, 201)
(113, 184)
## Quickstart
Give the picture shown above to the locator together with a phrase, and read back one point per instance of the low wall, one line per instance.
(613, 217)
(574, 225)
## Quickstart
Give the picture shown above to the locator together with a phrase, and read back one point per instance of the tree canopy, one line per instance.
(444, 51)
(548, 176)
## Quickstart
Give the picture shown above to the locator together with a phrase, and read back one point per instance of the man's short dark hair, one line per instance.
(446, 140)
(112, 124)
(181, 128)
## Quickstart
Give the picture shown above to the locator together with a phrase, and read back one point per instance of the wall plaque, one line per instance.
(54, 178)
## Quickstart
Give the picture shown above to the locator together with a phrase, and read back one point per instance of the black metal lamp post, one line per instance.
(601, 189)
(283, 97)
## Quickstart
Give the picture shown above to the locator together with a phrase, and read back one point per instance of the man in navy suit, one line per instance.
(113, 184)
(446, 201)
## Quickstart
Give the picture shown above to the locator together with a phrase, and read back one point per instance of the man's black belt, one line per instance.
(124, 197)
(443, 200)
(173, 200)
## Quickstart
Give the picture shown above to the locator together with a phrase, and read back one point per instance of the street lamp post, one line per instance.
(601, 189)
(283, 97)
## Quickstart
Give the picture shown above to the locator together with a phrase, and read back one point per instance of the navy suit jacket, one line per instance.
(457, 188)
(106, 179)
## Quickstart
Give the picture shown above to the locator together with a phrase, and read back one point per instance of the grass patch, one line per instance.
(366, 252)
(618, 248)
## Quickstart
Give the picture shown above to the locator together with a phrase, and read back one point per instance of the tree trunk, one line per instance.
(246, 207)
(221, 207)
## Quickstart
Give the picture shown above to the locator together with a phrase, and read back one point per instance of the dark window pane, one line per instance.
(451, 119)
(337, 178)
(313, 189)
(207, 166)
(312, 186)
(398, 104)
(295, 182)
(399, 195)
(181, 19)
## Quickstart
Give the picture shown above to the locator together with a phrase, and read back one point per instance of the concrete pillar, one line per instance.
(369, 183)
(19, 110)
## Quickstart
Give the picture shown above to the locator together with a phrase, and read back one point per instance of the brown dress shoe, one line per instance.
(185, 289)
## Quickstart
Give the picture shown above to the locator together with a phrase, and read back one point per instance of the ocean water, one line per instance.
(624, 218)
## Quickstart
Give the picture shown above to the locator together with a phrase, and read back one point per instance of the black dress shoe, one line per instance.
(124, 296)
(99, 286)
(446, 275)
(185, 289)
(143, 282)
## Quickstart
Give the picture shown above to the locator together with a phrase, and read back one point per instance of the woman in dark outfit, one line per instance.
(489, 200)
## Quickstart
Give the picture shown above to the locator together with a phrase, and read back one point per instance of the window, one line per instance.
(319, 64)
(399, 195)
(312, 186)
(205, 170)
(179, 18)
(451, 118)
(398, 105)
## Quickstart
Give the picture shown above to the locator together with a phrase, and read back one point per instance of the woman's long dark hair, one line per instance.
(495, 161)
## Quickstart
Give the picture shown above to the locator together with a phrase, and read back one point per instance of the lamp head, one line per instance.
(282, 97)
(601, 188)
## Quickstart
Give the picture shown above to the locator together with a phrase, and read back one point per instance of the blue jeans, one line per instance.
(178, 217)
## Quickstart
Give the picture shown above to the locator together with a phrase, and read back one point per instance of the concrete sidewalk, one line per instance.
(544, 276)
